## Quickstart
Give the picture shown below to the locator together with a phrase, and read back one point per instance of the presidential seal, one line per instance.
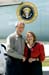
(27, 12)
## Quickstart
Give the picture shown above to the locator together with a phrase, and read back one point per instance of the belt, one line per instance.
(35, 59)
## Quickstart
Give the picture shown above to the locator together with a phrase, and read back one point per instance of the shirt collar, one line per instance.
(17, 35)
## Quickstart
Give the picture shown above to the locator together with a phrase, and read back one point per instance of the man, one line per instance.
(15, 51)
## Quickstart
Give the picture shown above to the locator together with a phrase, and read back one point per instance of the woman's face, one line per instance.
(29, 38)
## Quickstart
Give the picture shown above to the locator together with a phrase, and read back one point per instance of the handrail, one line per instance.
(11, 4)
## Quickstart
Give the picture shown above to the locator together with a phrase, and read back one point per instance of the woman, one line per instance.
(33, 55)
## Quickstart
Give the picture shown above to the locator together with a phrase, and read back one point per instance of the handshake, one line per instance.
(29, 60)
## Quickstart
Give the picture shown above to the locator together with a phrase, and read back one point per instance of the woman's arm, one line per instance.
(25, 52)
(42, 53)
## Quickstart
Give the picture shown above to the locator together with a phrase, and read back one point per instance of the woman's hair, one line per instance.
(33, 35)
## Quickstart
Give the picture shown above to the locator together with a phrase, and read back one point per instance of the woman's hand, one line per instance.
(30, 60)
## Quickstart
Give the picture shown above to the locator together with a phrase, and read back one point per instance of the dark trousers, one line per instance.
(13, 66)
(27, 68)
(34, 68)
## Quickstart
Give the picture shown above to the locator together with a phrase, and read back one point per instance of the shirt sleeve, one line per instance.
(42, 53)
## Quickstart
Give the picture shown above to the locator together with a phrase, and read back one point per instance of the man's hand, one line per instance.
(24, 59)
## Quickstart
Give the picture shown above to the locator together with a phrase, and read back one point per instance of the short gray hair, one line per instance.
(19, 22)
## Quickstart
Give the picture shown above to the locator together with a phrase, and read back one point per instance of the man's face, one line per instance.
(20, 29)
